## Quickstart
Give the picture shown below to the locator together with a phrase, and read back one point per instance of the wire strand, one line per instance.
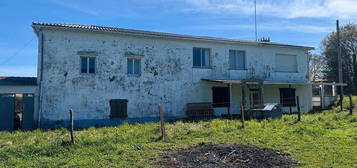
(17, 52)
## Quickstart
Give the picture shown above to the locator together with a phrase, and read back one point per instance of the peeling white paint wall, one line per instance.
(167, 76)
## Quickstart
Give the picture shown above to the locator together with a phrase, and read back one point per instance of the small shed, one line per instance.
(17, 104)
(325, 93)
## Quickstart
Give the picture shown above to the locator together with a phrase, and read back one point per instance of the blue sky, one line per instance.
(300, 22)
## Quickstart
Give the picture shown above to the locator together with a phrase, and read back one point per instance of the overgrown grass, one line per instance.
(327, 139)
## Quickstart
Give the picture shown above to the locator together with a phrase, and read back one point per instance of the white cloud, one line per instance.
(346, 9)
(18, 71)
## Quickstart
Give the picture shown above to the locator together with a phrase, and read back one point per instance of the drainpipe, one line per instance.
(40, 81)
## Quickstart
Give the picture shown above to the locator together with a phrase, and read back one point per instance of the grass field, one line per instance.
(326, 139)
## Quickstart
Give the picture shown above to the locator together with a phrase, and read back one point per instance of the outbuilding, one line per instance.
(17, 103)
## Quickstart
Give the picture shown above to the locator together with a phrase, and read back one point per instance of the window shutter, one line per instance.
(137, 67)
(196, 57)
(118, 108)
(130, 66)
(285, 63)
(232, 60)
(240, 59)
(84, 64)
(91, 65)
(206, 57)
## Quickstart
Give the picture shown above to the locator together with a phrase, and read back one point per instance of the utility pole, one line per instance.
(340, 79)
(255, 19)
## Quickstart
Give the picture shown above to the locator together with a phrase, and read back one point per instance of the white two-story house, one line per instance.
(107, 75)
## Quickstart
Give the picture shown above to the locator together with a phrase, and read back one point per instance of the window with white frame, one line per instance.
(201, 57)
(88, 64)
(134, 67)
(236, 59)
(285, 63)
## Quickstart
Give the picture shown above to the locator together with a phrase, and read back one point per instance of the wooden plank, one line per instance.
(162, 123)
(71, 126)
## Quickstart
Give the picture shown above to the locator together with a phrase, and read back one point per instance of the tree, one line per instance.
(348, 41)
(316, 66)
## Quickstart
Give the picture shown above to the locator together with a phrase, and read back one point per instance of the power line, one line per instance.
(17, 52)
(255, 19)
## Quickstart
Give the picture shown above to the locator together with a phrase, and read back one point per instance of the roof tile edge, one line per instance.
(95, 28)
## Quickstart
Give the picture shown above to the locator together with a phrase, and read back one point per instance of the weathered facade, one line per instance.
(165, 73)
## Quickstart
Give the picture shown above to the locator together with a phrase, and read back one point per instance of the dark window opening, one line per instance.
(255, 98)
(84, 62)
(287, 97)
(118, 108)
(236, 59)
(221, 97)
(87, 64)
(91, 65)
(134, 67)
(201, 57)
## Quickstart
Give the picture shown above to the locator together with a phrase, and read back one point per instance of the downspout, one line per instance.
(40, 81)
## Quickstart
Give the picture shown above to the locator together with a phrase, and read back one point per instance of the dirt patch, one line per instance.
(226, 155)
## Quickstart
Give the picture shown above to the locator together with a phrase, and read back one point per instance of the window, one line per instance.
(87, 64)
(287, 97)
(201, 57)
(285, 63)
(118, 108)
(134, 66)
(236, 59)
(221, 97)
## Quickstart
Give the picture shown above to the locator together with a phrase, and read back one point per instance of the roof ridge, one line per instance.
(159, 34)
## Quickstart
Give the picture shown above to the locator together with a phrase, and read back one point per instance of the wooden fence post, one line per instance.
(351, 104)
(162, 123)
(298, 108)
(71, 126)
(242, 114)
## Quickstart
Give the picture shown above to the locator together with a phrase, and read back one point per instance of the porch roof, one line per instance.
(329, 84)
(18, 81)
(231, 81)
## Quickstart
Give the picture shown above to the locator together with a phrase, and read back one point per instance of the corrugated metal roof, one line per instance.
(18, 81)
(37, 25)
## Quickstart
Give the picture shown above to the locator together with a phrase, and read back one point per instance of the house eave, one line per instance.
(131, 32)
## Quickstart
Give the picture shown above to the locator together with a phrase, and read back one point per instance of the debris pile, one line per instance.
(226, 155)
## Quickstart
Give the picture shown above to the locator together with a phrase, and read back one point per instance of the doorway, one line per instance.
(255, 98)
(16, 112)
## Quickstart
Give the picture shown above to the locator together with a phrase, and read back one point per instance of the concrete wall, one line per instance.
(167, 76)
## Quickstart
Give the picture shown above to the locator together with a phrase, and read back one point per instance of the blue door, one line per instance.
(27, 122)
(7, 110)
